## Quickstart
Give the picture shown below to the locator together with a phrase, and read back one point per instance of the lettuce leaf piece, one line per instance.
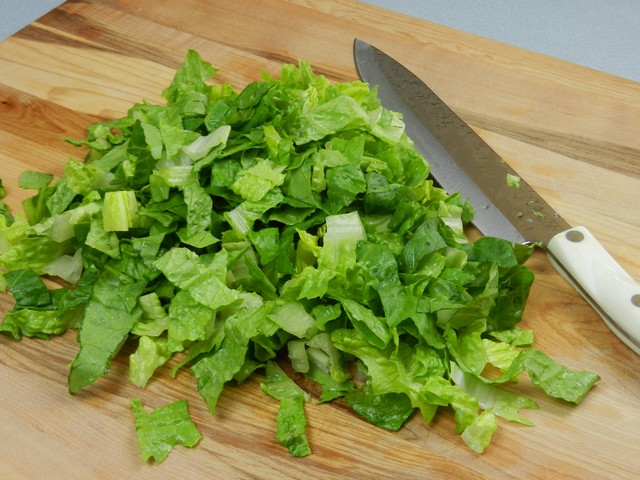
(258, 280)
(33, 252)
(102, 240)
(316, 366)
(514, 336)
(478, 435)
(467, 348)
(153, 320)
(425, 240)
(388, 370)
(243, 217)
(388, 411)
(343, 232)
(36, 322)
(490, 249)
(80, 177)
(152, 352)
(162, 429)
(185, 269)
(35, 180)
(555, 379)
(379, 262)
(202, 146)
(216, 368)
(189, 320)
(253, 183)
(35, 207)
(5, 211)
(502, 403)
(67, 267)
(500, 354)
(192, 77)
(120, 211)
(210, 343)
(27, 288)
(442, 392)
(509, 306)
(323, 353)
(41, 315)
(199, 205)
(291, 422)
(293, 318)
(196, 200)
(329, 118)
(344, 184)
(110, 315)
(370, 326)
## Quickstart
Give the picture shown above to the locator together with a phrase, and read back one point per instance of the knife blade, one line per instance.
(505, 205)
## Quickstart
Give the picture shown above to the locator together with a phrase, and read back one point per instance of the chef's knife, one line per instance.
(505, 205)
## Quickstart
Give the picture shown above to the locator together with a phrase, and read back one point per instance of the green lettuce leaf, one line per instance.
(27, 288)
(150, 354)
(555, 379)
(5, 211)
(291, 422)
(110, 315)
(185, 269)
(390, 372)
(478, 435)
(120, 211)
(40, 312)
(502, 403)
(389, 410)
(163, 428)
(218, 367)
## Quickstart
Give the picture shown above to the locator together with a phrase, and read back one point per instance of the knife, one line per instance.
(505, 205)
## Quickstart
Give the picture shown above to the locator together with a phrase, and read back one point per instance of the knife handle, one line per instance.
(612, 292)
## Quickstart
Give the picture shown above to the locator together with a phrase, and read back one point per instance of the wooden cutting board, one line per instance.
(573, 133)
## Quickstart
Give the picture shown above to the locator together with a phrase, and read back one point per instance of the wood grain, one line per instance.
(571, 132)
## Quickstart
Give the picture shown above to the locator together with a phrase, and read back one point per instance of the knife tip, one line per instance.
(360, 46)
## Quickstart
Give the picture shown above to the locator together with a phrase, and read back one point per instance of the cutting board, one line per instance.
(571, 132)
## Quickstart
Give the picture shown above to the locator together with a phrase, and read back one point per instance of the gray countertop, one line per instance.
(594, 33)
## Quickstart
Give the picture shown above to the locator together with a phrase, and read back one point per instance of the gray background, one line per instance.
(604, 35)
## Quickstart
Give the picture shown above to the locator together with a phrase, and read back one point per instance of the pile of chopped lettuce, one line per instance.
(291, 223)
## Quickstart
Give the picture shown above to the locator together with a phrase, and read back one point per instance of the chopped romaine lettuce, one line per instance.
(294, 217)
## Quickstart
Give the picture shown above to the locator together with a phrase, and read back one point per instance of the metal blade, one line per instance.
(460, 160)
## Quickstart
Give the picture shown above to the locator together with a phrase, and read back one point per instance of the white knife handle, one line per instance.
(584, 262)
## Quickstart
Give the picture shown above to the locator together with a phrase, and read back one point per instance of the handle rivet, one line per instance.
(574, 236)
(635, 300)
